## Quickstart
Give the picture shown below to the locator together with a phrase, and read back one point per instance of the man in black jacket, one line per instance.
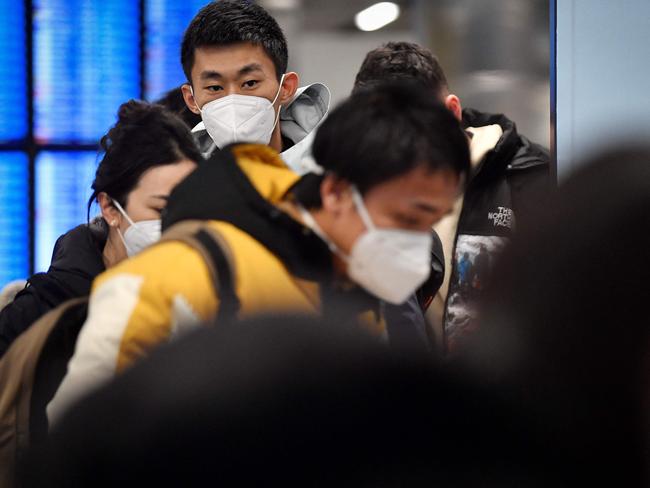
(509, 181)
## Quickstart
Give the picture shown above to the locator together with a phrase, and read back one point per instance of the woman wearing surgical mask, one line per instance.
(145, 155)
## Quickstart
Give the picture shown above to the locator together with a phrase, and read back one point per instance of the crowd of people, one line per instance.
(389, 292)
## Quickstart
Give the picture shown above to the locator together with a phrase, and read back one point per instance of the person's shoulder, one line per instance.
(74, 235)
(527, 154)
(530, 154)
(69, 239)
(80, 247)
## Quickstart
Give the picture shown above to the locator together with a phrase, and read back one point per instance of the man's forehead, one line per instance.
(422, 189)
(231, 59)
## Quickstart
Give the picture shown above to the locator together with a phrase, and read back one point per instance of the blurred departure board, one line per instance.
(14, 212)
(63, 180)
(86, 63)
(13, 71)
(87, 60)
(166, 21)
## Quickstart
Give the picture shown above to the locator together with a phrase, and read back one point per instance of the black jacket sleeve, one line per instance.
(18, 315)
(42, 294)
(76, 261)
(531, 183)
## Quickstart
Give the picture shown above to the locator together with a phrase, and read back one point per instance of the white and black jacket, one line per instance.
(508, 185)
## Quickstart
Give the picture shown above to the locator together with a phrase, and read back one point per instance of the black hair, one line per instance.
(381, 133)
(173, 101)
(144, 136)
(401, 61)
(229, 22)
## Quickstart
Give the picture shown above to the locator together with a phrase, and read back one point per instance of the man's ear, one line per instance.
(335, 194)
(289, 87)
(111, 215)
(452, 102)
(189, 98)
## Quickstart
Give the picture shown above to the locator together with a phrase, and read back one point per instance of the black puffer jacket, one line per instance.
(76, 261)
(515, 175)
(508, 190)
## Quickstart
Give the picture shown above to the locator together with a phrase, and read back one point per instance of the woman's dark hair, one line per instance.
(381, 133)
(144, 136)
(173, 101)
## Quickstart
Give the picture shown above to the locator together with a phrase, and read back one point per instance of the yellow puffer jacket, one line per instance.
(169, 288)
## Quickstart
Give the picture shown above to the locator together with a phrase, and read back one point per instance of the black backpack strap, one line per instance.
(229, 303)
(216, 254)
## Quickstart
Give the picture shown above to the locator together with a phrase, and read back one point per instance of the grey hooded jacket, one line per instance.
(298, 122)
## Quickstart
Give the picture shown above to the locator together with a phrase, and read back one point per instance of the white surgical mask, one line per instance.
(139, 235)
(240, 118)
(389, 263)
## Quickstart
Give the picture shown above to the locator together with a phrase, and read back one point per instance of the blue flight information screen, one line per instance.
(87, 61)
(86, 64)
(14, 209)
(13, 72)
(165, 24)
(63, 180)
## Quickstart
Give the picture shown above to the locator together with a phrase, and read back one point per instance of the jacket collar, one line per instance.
(298, 122)
(505, 148)
(79, 251)
(242, 185)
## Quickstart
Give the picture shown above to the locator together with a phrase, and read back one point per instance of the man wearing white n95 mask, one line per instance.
(235, 57)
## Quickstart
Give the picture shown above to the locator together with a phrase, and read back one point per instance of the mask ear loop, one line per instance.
(197, 105)
(126, 216)
(123, 212)
(313, 225)
(361, 209)
(279, 89)
(277, 117)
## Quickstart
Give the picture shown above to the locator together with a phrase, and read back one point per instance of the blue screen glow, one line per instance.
(13, 71)
(166, 21)
(63, 182)
(14, 208)
(86, 63)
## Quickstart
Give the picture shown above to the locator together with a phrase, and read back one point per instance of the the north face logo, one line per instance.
(504, 217)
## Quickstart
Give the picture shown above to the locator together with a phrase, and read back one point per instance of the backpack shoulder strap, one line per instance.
(17, 374)
(52, 364)
(216, 253)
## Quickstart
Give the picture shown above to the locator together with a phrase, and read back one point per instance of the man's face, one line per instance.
(414, 201)
(241, 68)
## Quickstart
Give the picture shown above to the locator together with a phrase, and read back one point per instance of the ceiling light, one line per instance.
(281, 4)
(376, 16)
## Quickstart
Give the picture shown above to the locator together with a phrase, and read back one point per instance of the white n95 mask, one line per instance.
(389, 263)
(139, 235)
(240, 118)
